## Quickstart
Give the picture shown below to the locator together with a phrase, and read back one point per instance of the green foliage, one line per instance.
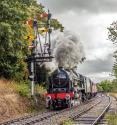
(13, 46)
(115, 65)
(12, 32)
(23, 89)
(114, 85)
(55, 23)
(112, 35)
(99, 87)
(107, 86)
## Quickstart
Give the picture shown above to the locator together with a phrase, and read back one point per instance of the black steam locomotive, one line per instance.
(67, 87)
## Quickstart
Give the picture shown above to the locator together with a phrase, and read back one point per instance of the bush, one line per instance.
(23, 89)
(107, 86)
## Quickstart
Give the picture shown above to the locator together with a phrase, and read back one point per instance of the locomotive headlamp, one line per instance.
(67, 97)
(48, 98)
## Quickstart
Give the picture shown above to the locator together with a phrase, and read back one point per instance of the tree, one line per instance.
(13, 29)
(99, 87)
(112, 35)
(105, 85)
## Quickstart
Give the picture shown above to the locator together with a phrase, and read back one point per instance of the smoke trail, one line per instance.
(67, 49)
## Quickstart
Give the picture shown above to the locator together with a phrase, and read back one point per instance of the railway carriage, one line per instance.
(94, 89)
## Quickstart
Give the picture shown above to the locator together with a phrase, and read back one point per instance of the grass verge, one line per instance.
(23, 90)
(112, 119)
(67, 122)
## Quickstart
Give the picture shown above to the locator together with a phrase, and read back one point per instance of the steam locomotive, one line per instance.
(66, 87)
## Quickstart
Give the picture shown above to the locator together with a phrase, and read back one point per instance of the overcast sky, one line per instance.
(89, 19)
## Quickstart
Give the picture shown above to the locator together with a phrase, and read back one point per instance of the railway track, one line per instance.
(95, 114)
(112, 110)
(26, 120)
(57, 117)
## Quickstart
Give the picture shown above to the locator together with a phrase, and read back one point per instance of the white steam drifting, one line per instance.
(67, 49)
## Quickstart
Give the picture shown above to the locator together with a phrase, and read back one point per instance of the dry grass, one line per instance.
(9, 86)
(113, 94)
(67, 122)
(40, 89)
(15, 99)
(21, 88)
(6, 86)
(14, 87)
(11, 103)
(112, 119)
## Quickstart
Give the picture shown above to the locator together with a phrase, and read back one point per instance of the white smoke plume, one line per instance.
(67, 49)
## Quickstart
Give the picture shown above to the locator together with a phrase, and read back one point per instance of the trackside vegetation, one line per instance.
(13, 36)
(107, 86)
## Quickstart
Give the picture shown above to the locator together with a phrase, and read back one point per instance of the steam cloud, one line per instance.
(67, 49)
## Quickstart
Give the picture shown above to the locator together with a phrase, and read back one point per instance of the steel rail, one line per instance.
(103, 112)
(23, 118)
(56, 113)
(82, 112)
